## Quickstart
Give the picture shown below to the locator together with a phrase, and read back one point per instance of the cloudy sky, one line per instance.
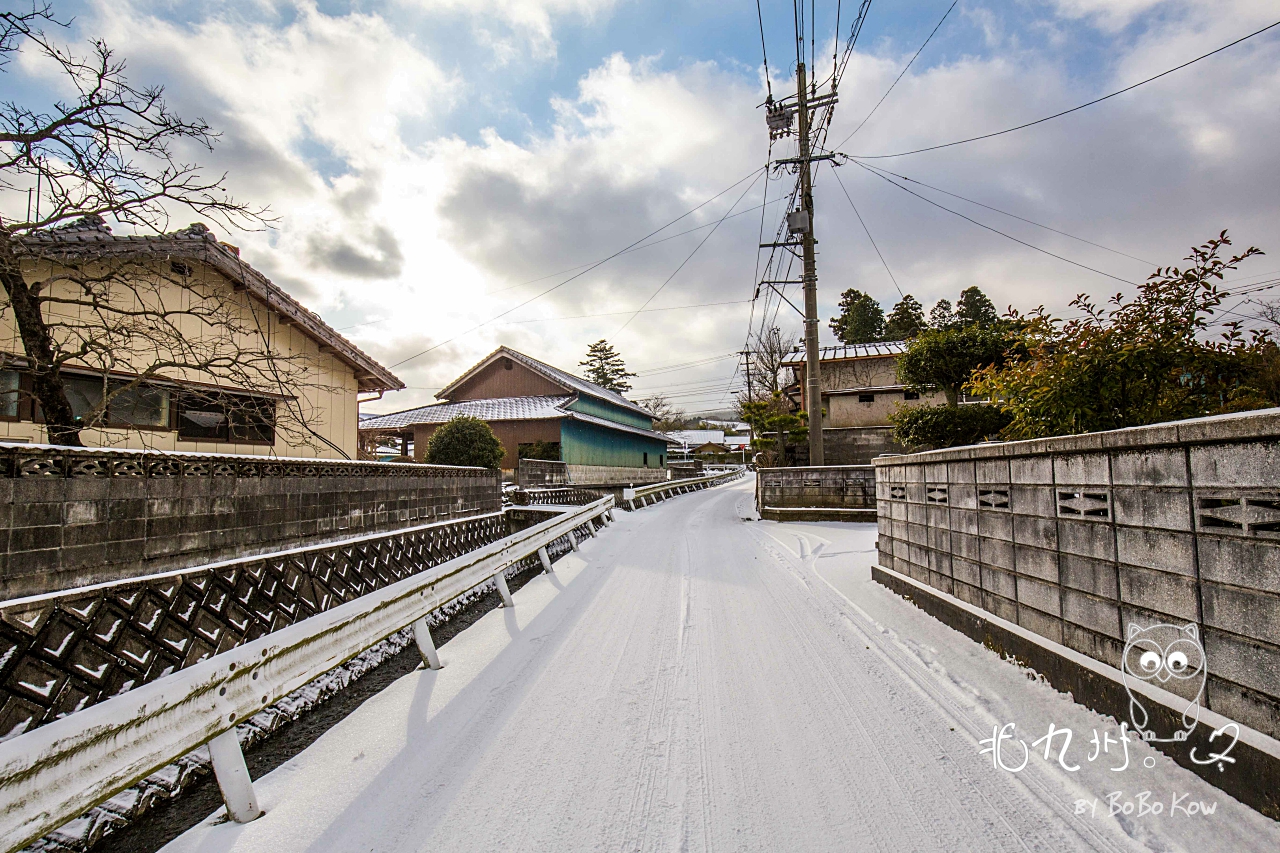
(438, 167)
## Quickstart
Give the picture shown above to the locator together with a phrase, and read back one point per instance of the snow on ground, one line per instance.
(694, 680)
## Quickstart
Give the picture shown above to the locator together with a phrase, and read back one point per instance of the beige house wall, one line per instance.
(871, 372)
(324, 391)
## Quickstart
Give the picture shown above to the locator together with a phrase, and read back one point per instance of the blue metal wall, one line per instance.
(601, 409)
(588, 444)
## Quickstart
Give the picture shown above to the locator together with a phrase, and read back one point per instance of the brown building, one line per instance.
(603, 436)
(860, 389)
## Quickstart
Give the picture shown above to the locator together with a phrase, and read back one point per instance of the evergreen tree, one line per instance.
(905, 321)
(465, 440)
(606, 368)
(861, 319)
(973, 308)
(942, 317)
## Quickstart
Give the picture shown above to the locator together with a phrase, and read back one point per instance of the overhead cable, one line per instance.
(989, 228)
(497, 317)
(900, 75)
(1073, 109)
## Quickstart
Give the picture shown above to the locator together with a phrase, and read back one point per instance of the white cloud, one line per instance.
(525, 24)
(344, 125)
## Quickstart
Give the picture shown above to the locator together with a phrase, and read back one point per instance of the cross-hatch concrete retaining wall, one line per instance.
(71, 517)
(1075, 538)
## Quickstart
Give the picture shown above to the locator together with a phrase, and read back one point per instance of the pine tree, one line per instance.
(861, 319)
(942, 317)
(905, 321)
(606, 368)
(973, 308)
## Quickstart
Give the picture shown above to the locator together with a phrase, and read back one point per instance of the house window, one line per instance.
(911, 395)
(84, 393)
(9, 385)
(866, 398)
(662, 460)
(646, 460)
(226, 417)
(140, 406)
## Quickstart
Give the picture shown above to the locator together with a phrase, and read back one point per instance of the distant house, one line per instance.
(711, 449)
(860, 389)
(532, 406)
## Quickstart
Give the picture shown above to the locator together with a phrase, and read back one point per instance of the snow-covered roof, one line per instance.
(560, 377)
(499, 409)
(875, 350)
(697, 436)
(90, 238)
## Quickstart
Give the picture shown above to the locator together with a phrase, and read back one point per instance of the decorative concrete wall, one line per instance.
(1077, 538)
(68, 650)
(71, 517)
(844, 492)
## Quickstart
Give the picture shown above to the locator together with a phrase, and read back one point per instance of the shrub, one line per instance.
(1145, 360)
(930, 427)
(465, 441)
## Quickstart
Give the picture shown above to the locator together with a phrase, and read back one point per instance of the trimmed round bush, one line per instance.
(931, 427)
(465, 441)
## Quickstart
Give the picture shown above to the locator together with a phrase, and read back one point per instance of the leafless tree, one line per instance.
(667, 415)
(111, 152)
(769, 350)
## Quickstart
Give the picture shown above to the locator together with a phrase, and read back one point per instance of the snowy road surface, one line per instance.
(695, 681)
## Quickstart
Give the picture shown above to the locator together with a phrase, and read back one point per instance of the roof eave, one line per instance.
(370, 375)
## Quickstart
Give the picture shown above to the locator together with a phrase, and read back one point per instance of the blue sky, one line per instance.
(428, 158)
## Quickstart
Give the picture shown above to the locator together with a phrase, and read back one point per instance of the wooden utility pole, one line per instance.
(813, 379)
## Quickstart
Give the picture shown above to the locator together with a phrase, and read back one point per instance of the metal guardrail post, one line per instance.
(426, 646)
(233, 778)
(573, 540)
(504, 592)
(545, 559)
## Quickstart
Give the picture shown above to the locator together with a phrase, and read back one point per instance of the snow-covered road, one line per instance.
(695, 681)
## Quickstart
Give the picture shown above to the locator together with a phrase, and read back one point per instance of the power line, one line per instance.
(900, 75)
(691, 254)
(620, 313)
(1013, 216)
(868, 230)
(764, 53)
(579, 275)
(993, 230)
(1072, 110)
(628, 251)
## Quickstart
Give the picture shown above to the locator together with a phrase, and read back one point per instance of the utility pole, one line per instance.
(746, 355)
(813, 378)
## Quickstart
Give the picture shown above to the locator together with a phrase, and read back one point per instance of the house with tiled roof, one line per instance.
(860, 389)
(189, 274)
(531, 404)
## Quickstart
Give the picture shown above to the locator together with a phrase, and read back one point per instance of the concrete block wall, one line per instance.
(829, 487)
(1076, 538)
(604, 475)
(71, 517)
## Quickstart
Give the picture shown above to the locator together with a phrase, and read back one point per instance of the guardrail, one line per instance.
(58, 771)
(661, 491)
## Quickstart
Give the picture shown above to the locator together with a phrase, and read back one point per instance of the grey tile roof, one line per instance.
(604, 422)
(854, 351)
(555, 374)
(500, 409)
(89, 238)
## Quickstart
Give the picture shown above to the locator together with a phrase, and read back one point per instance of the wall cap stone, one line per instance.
(1260, 425)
